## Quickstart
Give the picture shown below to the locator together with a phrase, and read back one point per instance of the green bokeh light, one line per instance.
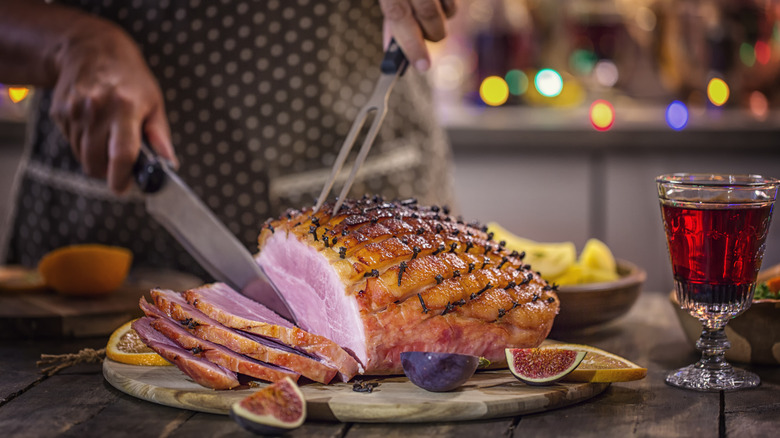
(747, 54)
(582, 61)
(517, 81)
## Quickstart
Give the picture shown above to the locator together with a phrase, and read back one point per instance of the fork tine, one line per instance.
(364, 148)
(393, 65)
(357, 125)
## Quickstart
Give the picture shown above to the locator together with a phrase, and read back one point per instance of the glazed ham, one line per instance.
(382, 277)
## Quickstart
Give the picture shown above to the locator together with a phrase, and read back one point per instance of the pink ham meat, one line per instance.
(202, 371)
(213, 352)
(175, 306)
(382, 277)
(223, 304)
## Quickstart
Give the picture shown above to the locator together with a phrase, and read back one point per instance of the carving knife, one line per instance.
(171, 202)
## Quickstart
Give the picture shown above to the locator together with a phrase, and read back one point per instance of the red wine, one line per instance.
(716, 252)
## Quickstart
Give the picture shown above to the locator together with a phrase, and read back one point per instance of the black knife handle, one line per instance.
(148, 170)
(394, 61)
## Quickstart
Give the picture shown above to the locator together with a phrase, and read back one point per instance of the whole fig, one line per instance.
(438, 372)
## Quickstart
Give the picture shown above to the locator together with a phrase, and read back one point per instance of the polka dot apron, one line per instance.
(259, 95)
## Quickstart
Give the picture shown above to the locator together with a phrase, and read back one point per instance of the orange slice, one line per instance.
(85, 270)
(126, 346)
(599, 366)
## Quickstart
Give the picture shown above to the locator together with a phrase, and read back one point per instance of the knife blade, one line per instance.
(173, 204)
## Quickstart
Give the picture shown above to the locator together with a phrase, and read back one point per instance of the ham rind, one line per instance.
(220, 355)
(381, 278)
(202, 371)
(175, 306)
(220, 302)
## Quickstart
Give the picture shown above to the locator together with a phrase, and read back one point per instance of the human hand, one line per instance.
(104, 98)
(411, 22)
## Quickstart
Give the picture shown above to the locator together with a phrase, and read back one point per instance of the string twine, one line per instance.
(58, 362)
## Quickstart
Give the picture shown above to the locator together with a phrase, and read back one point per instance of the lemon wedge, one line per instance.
(551, 259)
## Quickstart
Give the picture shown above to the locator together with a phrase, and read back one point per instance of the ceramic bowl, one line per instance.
(590, 305)
(754, 335)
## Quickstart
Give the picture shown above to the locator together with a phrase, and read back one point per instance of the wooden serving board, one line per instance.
(44, 313)
(489, 394)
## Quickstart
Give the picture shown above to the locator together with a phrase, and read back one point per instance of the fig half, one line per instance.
(542, 366)
(438, 372)
(275, 409)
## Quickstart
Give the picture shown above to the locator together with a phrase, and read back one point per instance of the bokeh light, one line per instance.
(606, 73)
(747, 55)
(718, 91)
(677, 115)
(517, 81)
(582, 61)
(494, 91)
(645, 18)
(759, 105)
(548, 82)
(17, 94)
(763, 52)
(602, 115)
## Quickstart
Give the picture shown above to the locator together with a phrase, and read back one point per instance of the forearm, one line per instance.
(34, 36)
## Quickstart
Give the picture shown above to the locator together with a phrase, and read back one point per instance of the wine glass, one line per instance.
(716, 227)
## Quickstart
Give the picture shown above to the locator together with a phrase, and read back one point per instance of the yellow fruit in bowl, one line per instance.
(596, 255)
(85, 269)
(551, 259)
(558, 262)
(574, 275)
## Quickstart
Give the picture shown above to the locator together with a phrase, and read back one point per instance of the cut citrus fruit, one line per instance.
(599, 366)
(126, 346)
(550, 259)
(88, 269)
(597, 255)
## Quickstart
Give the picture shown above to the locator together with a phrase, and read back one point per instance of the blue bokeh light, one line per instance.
(677, 115)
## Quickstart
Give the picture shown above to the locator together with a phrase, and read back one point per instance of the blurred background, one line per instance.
(562, 113)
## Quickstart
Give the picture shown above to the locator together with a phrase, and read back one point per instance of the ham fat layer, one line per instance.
(382, 277)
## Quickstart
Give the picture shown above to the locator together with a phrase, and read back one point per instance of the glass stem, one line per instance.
(713, 344)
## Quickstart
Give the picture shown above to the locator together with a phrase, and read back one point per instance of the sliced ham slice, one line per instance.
(220, 302)
(220, 355)
(202, 371)
(175, 306)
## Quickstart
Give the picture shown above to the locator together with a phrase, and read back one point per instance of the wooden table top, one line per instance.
(78, 402)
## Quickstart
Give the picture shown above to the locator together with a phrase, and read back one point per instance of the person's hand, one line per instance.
(412, 22)
(104, 98)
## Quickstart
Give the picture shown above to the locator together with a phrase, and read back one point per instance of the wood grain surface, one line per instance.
(43, 313)
(78, 402)
(487, 394)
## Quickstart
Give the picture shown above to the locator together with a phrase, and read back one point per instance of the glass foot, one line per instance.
(701, 379)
